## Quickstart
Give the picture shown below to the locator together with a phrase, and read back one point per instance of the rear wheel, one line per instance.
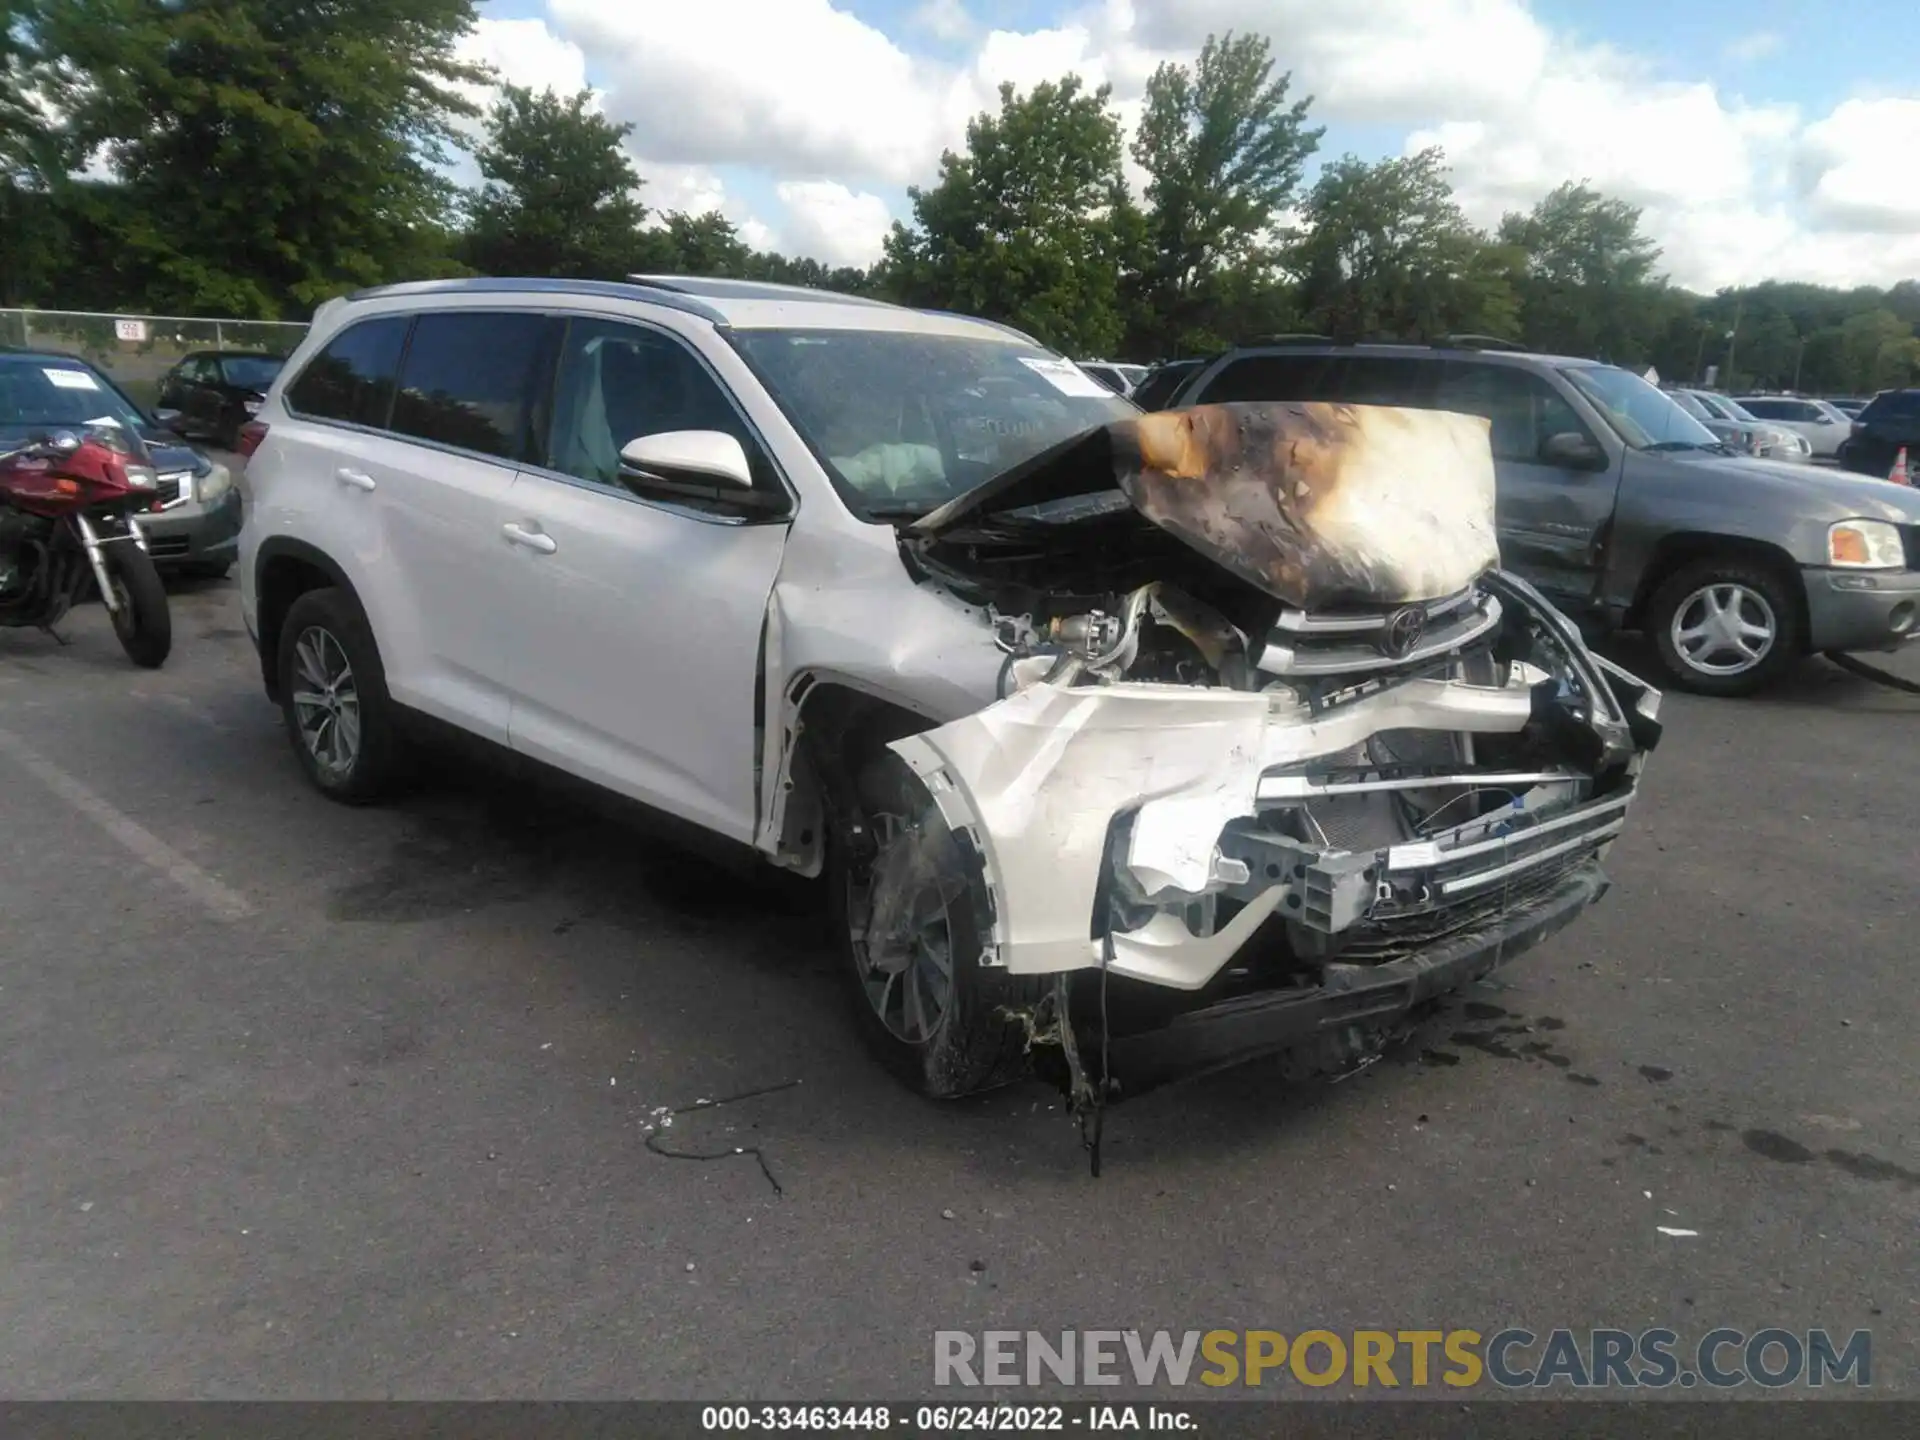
(1724, 626)
(334, 698)
(141, 620)
(912, 922)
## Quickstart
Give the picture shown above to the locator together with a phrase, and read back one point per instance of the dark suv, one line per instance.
(1629, 513)
(1890, 420)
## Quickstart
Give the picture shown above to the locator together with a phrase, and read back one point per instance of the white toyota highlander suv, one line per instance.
(1129, 743)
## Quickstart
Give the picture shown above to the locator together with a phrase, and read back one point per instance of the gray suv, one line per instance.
(1629, 513)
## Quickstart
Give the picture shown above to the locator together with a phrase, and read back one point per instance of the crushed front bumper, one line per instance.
(1120, 826)
(1369, 997)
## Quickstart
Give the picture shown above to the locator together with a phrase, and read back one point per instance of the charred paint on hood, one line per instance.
(1320, 504)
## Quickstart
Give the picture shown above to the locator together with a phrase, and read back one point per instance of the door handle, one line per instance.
(358, 479)
(532, 539)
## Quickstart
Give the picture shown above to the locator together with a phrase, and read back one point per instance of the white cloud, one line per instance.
(834, 224)
(1757, 45)
(793, 85)
(814, 97)
(944, 20)
(1853, 152)
(527, 53)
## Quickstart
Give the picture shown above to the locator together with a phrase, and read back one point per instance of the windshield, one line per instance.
(38, 391)
(1639, 414)
(903, 423)
(252, 372)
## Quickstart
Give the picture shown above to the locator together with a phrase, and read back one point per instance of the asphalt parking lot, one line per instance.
(305, 1101)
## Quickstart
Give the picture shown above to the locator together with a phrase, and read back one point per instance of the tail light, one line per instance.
(251, 434)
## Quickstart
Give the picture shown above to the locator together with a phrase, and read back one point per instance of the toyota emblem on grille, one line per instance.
(1404, 629)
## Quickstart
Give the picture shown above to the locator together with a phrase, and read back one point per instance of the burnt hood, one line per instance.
(1316, 504)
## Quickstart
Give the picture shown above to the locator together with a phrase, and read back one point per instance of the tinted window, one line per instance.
(1523, 409)
(1274, 377)
(468, 380)
(1904, 404)
(1771, 409)
(1389, 380)
(352, 379)
(251, 372)
(618, 382)
(1154, 392)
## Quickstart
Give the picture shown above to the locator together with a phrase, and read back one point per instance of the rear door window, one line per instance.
(1274, 377)
(351, 380)
(1523, 409)
(469, 379)
(1893, 405)
(1389, 380)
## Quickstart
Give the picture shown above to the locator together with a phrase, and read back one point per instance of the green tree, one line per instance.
(1879, 351)
(707, 244)
(271, 154)
(1225, 153)
(1586, 282)
(1387, 254)
(560, 196)
(1029, 226)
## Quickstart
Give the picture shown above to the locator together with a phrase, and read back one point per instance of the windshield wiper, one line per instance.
(1685, 445)
(900, 510)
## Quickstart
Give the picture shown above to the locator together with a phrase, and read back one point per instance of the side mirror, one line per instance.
(169, 418)
(1824, 420)
(1572, 451)
(709, 459)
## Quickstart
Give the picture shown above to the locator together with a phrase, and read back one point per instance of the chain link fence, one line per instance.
(136, 350)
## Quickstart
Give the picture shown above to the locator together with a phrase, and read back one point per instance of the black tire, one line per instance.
(1759, 582)
(975, 1044)
(333, 624)
(142, 622)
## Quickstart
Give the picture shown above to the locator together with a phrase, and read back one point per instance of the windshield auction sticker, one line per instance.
(69, 379)
(1068, 378)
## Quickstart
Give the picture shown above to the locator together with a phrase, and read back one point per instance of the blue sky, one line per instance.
(1759, 137)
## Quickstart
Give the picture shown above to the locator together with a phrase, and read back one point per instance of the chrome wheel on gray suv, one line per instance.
(1724, 626)
(1724, 629)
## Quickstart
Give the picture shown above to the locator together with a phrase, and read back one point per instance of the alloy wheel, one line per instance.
(906, 953)
(326, 701)
(1724, 629)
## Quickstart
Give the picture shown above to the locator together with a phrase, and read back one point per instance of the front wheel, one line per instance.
(1724, 626)
(141, 619)
(912, 917)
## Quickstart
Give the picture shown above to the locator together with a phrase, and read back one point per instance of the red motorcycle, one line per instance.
(67, 504)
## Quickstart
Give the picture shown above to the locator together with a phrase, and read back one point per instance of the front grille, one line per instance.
(172, 490)
(1390, 938)
(1910, 540)
(162, 547)
(1351, 642)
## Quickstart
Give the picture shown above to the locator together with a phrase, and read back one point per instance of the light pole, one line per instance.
(1733, 338)
(1799, 354)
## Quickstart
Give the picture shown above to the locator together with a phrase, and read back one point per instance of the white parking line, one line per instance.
(223, 902)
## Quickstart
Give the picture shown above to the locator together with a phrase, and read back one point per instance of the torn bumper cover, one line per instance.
(1182, 836)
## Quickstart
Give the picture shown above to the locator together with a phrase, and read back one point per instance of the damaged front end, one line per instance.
(1280, 753)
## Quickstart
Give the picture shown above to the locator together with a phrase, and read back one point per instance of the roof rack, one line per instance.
(507, 284)
(714, 287)
(1292, 337)
(1481, 342)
